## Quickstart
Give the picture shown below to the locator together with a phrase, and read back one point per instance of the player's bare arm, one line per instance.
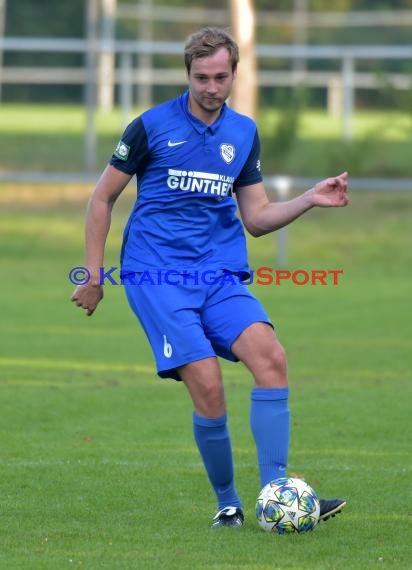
(260, 216)
(108, 189)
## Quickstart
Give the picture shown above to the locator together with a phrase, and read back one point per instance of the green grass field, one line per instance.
(98, 467)
(51, 138)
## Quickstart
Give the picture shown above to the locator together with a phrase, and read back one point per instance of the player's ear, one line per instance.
(234, 71)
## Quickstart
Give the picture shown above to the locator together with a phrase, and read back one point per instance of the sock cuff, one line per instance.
(270, 394)
(209, 422)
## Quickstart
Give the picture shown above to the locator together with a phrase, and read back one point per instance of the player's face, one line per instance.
(210, 82)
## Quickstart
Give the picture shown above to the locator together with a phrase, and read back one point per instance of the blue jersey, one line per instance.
(184, 218)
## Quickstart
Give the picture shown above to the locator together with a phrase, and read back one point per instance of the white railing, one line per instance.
(341, 84)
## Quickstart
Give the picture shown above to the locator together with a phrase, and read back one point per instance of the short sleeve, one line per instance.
(250, 173)
(132, 152)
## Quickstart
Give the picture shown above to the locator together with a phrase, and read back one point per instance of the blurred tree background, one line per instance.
(296, 118)
(48, 18)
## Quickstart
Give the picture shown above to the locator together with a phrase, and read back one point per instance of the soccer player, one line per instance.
(184, 255)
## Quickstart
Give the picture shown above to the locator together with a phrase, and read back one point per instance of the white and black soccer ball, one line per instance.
(287, 505)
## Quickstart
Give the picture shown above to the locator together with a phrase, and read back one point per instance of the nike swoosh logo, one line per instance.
(170, 143)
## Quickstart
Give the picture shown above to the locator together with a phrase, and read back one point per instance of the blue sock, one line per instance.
(213, 440)
(270, 425)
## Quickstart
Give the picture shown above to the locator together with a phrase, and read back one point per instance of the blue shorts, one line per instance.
(186, 322)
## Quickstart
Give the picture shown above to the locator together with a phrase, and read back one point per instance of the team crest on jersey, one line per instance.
(227, 152)
(122, 151)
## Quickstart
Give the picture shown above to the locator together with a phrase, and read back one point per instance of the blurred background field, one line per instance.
(98, 466)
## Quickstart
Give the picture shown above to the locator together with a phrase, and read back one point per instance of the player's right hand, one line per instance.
(87, 297)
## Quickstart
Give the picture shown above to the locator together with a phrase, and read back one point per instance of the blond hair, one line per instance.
(206, 42)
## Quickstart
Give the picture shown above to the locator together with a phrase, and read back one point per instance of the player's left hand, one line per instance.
(331, 192)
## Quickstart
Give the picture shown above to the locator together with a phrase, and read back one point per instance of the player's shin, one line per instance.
(213, 441)
(270, 425)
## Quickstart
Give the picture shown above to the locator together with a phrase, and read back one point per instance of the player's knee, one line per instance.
(208, 398)
(212, 405)
(274, 360)
(278, 356)
(213, 399)
(271, 369)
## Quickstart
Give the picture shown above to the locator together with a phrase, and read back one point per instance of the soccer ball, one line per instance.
(287, 505)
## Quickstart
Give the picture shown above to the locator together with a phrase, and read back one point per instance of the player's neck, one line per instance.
(207, 117)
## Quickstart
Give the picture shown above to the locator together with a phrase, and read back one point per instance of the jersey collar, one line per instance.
(197, 124)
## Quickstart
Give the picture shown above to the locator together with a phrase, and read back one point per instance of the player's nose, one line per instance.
(212, 87)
